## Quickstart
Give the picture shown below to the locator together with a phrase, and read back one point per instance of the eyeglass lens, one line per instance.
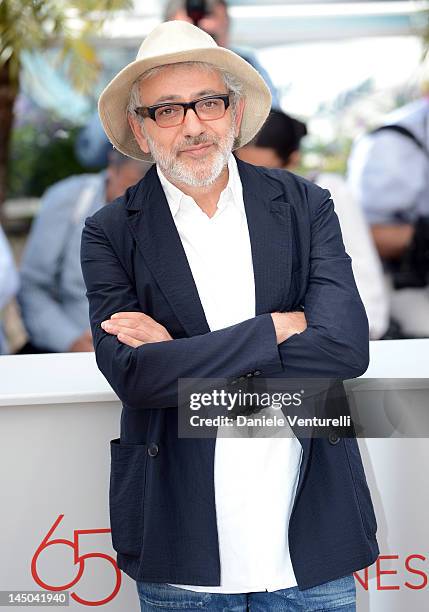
(206, 110)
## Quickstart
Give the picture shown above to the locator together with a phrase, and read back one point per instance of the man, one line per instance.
(388, 171)
(200, 271)
(277, 145)
(52, 298)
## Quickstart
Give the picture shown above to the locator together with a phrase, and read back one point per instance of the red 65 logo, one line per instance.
(78, 559)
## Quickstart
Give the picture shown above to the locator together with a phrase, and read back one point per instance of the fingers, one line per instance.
(137, 325)
(129, 340)
(131, 315)
(131, 323)
(133, 319)
(141, 333)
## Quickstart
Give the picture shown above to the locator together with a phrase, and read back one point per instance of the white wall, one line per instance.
(57, 416)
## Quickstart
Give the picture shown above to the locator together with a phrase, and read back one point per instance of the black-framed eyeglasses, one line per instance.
(171, 114)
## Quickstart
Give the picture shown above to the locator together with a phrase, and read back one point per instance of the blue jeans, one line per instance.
(339, 594)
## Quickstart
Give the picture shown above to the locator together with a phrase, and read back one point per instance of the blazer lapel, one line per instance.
(154, 230)
(269, 222)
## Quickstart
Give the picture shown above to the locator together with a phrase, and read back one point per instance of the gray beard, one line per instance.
(200, 175)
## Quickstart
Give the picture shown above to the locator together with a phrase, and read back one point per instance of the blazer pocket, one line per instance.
(363, 494)
(126, 495)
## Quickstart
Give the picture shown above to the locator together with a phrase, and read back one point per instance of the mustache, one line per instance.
(194, 141)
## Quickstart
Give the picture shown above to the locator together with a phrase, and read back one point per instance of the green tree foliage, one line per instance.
(26, 25)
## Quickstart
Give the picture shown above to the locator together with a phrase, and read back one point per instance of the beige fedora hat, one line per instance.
(169, 43)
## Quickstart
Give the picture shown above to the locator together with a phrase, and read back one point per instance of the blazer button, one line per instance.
(333, 438)
(152, 450)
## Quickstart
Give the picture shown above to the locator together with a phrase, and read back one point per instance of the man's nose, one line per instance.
(192, 126)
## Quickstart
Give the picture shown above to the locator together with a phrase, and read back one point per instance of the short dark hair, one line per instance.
(282, 133)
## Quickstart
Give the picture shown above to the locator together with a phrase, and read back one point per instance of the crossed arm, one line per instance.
(137, 328)
(142, 362)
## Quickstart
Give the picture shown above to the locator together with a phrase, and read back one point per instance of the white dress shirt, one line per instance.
(255, 478)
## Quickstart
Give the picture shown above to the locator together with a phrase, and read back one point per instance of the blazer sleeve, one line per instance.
(336, 341)
(146, 377)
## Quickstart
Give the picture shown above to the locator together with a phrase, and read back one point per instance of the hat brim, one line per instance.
(113, 102)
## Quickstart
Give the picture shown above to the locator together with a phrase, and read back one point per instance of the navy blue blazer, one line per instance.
(162, 498)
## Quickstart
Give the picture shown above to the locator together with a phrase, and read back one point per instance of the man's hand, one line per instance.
(83, 344)
(135, 328)
(287, 324)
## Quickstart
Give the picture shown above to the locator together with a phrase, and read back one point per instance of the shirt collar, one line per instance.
(232, 192)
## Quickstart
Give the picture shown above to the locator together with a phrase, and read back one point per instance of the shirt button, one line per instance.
(152, 450)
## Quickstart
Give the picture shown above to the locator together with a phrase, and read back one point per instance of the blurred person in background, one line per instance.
(92, 144)
(277, 146)
(388, 172)
(8, 283)
(52, 298)
(212, 17)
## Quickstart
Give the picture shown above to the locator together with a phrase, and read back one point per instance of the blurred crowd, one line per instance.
(382, 206)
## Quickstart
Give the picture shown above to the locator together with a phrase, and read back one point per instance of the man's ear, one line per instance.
(136, 127)
(239, 110)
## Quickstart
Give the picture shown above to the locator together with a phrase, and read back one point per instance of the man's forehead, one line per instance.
(194, 82)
